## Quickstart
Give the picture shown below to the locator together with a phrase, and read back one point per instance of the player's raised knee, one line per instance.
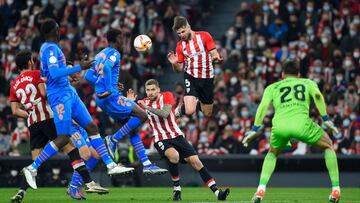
(92, 129)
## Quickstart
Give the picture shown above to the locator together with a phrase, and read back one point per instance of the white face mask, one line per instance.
(324, 40)
(56, 171)
(21, 124)
(10, 58)
(347, 62)
(233, 80)
(234, 102)
(356, 55)
(261, 43)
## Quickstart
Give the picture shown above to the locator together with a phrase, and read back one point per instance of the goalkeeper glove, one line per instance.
(250, 135)
(329, 124)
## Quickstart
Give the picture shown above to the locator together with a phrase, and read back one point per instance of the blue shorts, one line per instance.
(67, 106)
(116, 105)
(79, 136)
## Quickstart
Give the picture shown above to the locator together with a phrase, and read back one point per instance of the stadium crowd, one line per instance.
(322, 35)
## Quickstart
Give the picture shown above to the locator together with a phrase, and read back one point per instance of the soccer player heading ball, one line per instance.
(291, 100)
(197, 50)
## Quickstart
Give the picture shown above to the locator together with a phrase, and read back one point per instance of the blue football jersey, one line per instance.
(107, 59)
(51, 56)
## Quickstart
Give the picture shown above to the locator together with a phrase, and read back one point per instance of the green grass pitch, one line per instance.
(189, 194)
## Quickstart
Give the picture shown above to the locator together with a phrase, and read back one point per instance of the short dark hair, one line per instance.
(291, 67)
(22, 59)
(112, 34)
(152, 82)
(179, 22)
(48, 26)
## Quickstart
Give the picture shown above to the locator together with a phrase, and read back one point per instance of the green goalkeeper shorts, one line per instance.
(304, 130)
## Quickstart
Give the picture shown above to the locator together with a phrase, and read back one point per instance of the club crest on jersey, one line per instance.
(52, 59)
(113, 58)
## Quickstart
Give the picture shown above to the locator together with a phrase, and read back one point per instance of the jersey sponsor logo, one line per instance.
(60, 111)
(52, 59)
(113, 58)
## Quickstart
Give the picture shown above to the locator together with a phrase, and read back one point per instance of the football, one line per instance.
(142, 43)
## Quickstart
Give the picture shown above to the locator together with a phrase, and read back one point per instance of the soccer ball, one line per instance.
(142, 43)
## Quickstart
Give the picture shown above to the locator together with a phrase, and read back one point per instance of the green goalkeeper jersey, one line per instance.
(291, 99)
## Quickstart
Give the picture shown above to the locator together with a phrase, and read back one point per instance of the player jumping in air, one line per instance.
(170, 141)
(291, 100)
(66, 106)
(28, 91)
(197, 50)
(104, 77)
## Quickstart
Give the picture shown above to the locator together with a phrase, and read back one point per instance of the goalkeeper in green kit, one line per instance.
(291, 98)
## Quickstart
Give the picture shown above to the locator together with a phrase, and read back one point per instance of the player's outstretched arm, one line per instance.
(260, 115)
(90, 77)
(321, 106)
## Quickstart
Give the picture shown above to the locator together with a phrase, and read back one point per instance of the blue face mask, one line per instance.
(217, 71)
(357, 138)
(267, 134)
(265, 8)
(346, 123)
(352, 33)
(245, 114)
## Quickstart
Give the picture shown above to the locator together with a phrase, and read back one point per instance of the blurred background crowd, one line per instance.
(322, 35)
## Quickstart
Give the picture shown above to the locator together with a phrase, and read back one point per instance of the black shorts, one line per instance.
(41, 133)
(179, 143)
(201, 88)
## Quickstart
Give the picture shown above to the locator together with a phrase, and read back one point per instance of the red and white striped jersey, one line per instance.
(163, 128)
(24, 89)
(195, 54)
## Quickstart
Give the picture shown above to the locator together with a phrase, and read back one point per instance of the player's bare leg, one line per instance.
(188, 107)
(173, 158)
(19, 196)
(195, 162)
(266, 172)
(326, 145)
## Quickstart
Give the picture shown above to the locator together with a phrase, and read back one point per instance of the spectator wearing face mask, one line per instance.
(226, 143)
(259, 27)
(277, 31)
(264, 143)
(309, 15)
(288, 9)
(355, 146)
(4, 139)
(352, 40)
(339, 83)
(295, 29)
(203, 144)
(352, 98)
(20, 133)
(325, 48)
